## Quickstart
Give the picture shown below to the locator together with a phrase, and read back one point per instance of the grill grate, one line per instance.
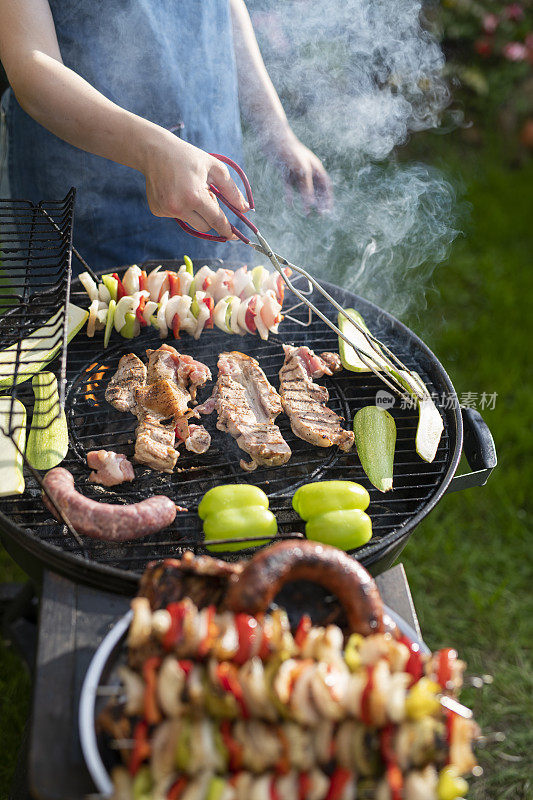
(94, 424)
(35, 275)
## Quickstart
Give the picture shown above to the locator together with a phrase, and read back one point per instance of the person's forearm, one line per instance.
(259, 100)
(73, 110)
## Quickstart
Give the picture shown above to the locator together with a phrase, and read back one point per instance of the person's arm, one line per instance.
(262, 107)
(177, 173)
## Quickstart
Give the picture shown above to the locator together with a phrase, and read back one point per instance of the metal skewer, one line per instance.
(386, 356)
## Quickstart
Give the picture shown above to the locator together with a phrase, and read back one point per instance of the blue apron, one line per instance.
(170, 61)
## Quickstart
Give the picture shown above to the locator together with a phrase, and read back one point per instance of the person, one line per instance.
(125, 100)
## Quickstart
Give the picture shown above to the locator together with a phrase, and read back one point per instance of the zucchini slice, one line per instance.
(39, 348)
(375, 439)
(350, 359)
(11, 461)
(48, 437)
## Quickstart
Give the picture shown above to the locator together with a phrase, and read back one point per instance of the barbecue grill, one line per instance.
(35, 540)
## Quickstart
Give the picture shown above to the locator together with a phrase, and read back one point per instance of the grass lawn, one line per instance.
(469, 564)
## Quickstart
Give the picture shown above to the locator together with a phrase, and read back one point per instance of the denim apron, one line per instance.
(170, 61)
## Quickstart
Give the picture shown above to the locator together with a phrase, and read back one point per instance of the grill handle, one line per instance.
(479, 450)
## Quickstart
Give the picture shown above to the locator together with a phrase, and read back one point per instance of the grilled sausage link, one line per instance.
(262, 578)
(102, 520)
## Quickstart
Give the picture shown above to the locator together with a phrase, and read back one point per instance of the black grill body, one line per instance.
(35, 540)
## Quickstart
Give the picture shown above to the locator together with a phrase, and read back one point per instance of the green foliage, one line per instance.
(489, 45)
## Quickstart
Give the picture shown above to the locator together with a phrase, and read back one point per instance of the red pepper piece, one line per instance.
(186, 667)
(121, 292)
(176, 323)
(211, 634)
(302, 631)
(366, 713)
(210, 303)
(249, 317)
(141, 747)
(174, 633)
(143, 281)
(177, 789)
(450, 719)
(264, 648)
(233, 747)
(152, 714)
(393, 772)
(274, 794)
(339, 780)
(414, 666)
(284, 765)
(227, 675)
(447, 658)
(206, 284)
(139, 312)
(173, 284)
(304, 785)
(247, 631)
(280, 289)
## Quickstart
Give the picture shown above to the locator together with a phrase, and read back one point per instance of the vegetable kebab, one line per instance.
(174, 302)
(221, 704)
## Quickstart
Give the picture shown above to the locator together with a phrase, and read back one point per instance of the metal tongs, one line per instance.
(380, 356)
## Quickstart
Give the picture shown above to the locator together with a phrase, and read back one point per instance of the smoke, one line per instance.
(356, 78)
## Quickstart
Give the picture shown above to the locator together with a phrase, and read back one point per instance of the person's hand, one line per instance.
(177, 183)
(302, 170)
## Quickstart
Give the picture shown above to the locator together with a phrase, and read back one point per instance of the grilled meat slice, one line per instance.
(111, 469)
(162, 399)
(154, 445)
(166, 363)
(130, 376)
(304, 401)
(333, 361)
(198, 439)
(247, 406)
(202, 578)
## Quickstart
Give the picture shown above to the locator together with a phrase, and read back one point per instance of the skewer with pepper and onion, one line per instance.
(238, 302)
(222, 699)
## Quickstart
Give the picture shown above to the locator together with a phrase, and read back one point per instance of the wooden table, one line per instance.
(73, 621)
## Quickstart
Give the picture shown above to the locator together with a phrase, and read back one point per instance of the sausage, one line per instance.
(111, 523)
(262, 578)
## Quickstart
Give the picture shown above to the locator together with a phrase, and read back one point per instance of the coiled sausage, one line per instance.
(262, 578)
(111, 523)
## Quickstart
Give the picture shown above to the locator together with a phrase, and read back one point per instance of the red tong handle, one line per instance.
(248, 189)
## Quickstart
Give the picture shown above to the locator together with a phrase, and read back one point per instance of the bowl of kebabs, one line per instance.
(283, 677)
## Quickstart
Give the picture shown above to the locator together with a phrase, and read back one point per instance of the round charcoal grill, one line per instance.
(35, 540)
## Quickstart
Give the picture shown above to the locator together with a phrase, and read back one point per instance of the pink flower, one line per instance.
(515, 51)
(490, 23)
(514, 12)
(483, 47)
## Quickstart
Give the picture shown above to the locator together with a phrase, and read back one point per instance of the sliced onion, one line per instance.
(130, 281)
(234, 319)
(89, 285)
(222, 284)
(241, 280)
(91, 322)
(185, 279)
(149, 309)
(270, 311)
(219, 315)
(103, 293)
(154, 282)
